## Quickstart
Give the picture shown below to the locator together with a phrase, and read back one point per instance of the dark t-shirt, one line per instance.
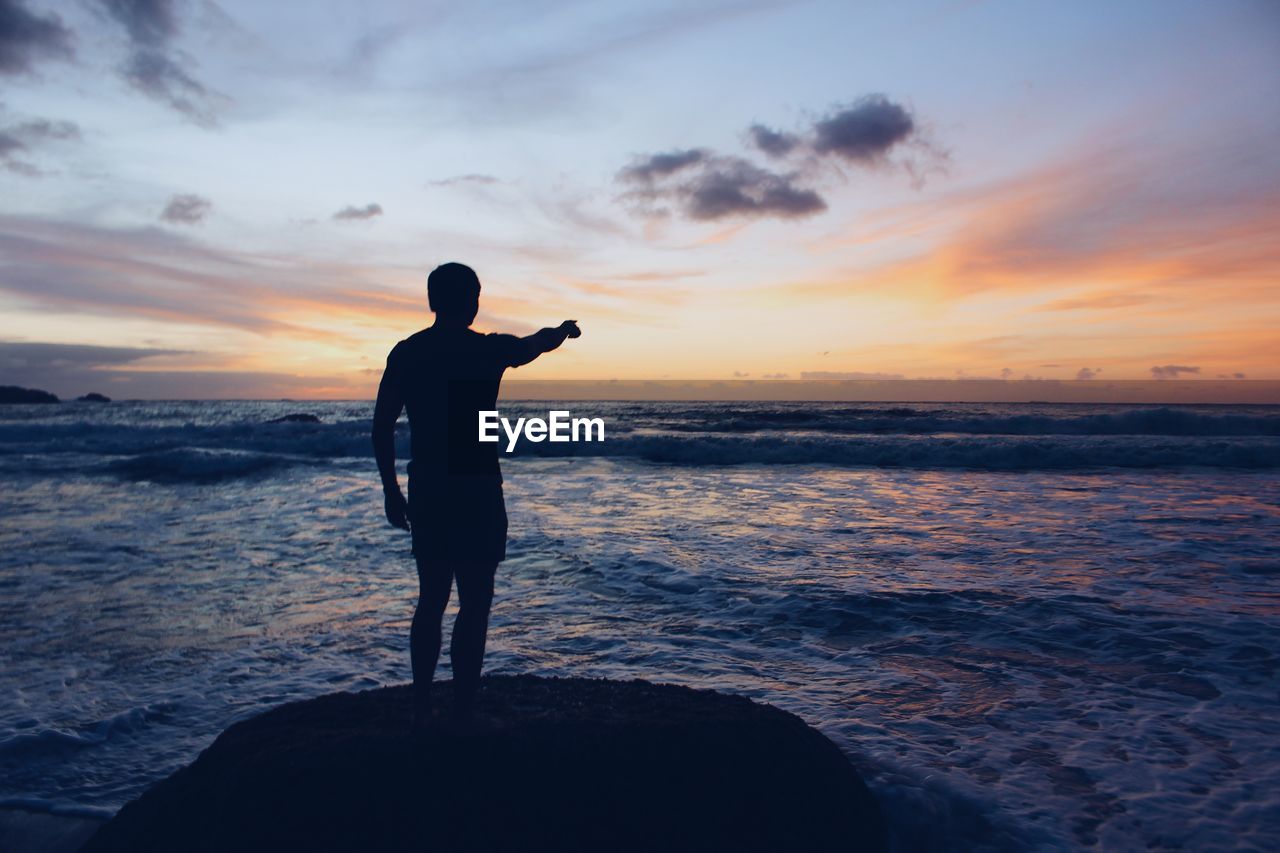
(445, 378)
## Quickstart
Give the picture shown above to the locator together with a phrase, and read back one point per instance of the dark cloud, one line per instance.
(350, 212)
(706, 185)
(1171, 371)
(707, 188)
(9, 144)
(774, 143)
(186, 210)
(865, 131)
(656, 166)
(68, 369)
(773, 376)
(1006, 373)
(149, 23)
(154, 67)
(42, 129)
(19, 140)
(1087, 373)
(26, 37)
(1231, 376)
(730, 186)
(160, 77)
(19, 355)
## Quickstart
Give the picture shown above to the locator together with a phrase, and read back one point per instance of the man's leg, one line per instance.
(435, 581)
(466, 648)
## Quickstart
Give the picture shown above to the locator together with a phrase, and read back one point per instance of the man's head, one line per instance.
(453, 292)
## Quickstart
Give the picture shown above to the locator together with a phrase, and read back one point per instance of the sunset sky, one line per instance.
(243, 199)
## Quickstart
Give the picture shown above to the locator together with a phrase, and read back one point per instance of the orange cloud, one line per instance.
(1104, 217)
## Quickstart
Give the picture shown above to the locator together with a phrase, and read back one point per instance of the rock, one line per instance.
(94, 397)
(25, 830)
(549, 764)
(14, 394)
(295, 418)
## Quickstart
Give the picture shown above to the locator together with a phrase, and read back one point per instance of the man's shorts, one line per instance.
(458, 519)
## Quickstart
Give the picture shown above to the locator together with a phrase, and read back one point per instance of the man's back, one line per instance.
(445, 378)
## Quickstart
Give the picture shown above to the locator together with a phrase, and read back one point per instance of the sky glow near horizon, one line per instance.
(244, 199)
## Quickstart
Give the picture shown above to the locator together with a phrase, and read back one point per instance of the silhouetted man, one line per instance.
(445, 375)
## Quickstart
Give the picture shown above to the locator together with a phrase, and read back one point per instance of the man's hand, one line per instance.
(397, 509)
(570, 329)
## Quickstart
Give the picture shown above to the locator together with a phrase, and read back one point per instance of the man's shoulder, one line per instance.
(428, 342)
(411, 344)
(418, 337)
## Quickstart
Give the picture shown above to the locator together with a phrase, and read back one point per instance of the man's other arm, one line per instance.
(385, 414)
(544, 340)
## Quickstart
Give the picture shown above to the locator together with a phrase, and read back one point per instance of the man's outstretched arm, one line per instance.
(545, 340)
(385, 414)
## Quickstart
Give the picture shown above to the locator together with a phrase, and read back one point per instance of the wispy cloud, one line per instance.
(26, 38)
(1122, 299)
(352, 213)
(473, 179)
(708, 187)
(154, 66)
(533, 78)
(1132, 227)
(847, 375)
(1172, 371)
(150, 273)
(160, 274)
(774, 143)
(186, 210)
(18, 141)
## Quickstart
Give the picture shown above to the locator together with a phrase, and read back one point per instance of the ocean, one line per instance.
(1032, 626)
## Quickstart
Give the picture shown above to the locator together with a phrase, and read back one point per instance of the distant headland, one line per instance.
(14, 394)
(17, 394)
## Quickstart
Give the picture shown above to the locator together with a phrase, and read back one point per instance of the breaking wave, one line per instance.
(214, 441)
